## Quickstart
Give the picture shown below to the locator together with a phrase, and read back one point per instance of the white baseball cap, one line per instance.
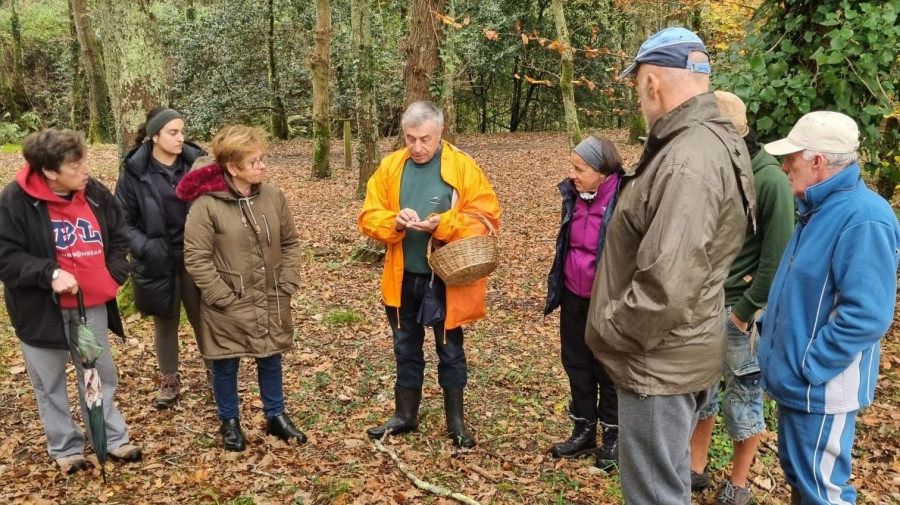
(822, 131)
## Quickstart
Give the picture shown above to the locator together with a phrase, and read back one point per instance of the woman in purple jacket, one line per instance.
(587, 193)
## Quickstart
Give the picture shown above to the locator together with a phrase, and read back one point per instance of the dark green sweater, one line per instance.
(423, 190)
(747, 286)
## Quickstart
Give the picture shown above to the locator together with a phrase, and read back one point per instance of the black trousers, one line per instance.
(409, 339)
(593, 392)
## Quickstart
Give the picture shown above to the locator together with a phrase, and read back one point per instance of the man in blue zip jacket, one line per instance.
(831, 302)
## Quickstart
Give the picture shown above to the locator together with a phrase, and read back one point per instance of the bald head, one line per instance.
(676, 78)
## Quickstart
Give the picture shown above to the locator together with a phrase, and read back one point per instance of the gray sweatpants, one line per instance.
(654, 446)
(165, 329)
(47, 371)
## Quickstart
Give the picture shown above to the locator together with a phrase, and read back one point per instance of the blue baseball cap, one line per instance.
(670, 48)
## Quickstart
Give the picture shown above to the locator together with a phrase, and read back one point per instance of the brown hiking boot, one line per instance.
(71, 464)
(126, 453)
(169, 386)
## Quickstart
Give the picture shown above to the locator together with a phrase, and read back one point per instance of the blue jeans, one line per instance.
(225, 388)
(742, 402)
(409, 338)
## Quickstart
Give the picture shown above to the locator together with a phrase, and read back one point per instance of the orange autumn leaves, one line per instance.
(586, 51)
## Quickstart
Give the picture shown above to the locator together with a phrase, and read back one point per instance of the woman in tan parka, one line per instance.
(241, 248)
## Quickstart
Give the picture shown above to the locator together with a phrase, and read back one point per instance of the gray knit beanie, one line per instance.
(155, 124)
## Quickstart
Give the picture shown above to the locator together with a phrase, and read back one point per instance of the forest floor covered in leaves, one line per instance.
(339, 378)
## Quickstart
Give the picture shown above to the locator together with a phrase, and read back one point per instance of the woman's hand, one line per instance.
(65, 283)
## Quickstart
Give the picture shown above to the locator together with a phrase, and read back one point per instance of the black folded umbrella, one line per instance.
(433, 309)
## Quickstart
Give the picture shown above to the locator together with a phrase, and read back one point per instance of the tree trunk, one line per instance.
(17, 79)
(7, 99)
(529, 96)
(637, 128)
(449, 63)
(565, 80)
(100, 128)
(885, 180)
(515, 104)
(136, 71)
(421, 50)
(366, 106)
(321, 68)
(78, 115)
(519, 113)
(277, 116)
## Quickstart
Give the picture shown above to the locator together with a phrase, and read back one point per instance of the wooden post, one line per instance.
(348, 145)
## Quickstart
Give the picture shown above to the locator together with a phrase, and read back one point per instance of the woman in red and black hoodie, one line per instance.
(61, 232)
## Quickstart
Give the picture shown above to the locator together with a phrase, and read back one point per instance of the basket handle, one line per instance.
(484, 220)
(428, 249)
(487, 223)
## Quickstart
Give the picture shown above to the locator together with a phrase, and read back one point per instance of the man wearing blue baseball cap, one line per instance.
(657, 314)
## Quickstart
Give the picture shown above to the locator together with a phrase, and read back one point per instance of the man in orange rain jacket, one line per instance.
(429, 188)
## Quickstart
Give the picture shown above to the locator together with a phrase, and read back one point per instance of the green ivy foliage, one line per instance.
(803, 55)
(46, 53)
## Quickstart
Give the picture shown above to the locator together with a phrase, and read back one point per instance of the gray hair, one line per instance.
(833, 161)
(419, 112)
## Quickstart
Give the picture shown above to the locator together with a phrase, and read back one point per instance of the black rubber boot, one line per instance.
(583, 440)
(282, 427)
(456, 425)
(406, 414)
(608, 455)
(232, 435)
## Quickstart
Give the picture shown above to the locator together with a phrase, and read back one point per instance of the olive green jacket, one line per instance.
(244, 255)
(656, 319)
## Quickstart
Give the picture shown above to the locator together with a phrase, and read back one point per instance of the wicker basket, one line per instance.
(466, 260)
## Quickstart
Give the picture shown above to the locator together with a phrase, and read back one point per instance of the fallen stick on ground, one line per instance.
(421, 484)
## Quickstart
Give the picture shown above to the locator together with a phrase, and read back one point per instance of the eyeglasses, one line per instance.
(257, 163)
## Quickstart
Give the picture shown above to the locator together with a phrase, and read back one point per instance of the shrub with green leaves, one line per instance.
(14, 132)
(10, 133)
(802, 55)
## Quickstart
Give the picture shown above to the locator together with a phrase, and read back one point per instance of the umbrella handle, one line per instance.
(81, 312)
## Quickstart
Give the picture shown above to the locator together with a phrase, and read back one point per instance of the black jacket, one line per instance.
(28, 259)
(153, 276)
(555, 279)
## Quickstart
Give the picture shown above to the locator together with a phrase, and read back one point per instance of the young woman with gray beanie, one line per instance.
(155, 218)
(588, 196)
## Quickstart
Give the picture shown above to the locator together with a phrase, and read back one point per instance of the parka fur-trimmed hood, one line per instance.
(208, 178)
